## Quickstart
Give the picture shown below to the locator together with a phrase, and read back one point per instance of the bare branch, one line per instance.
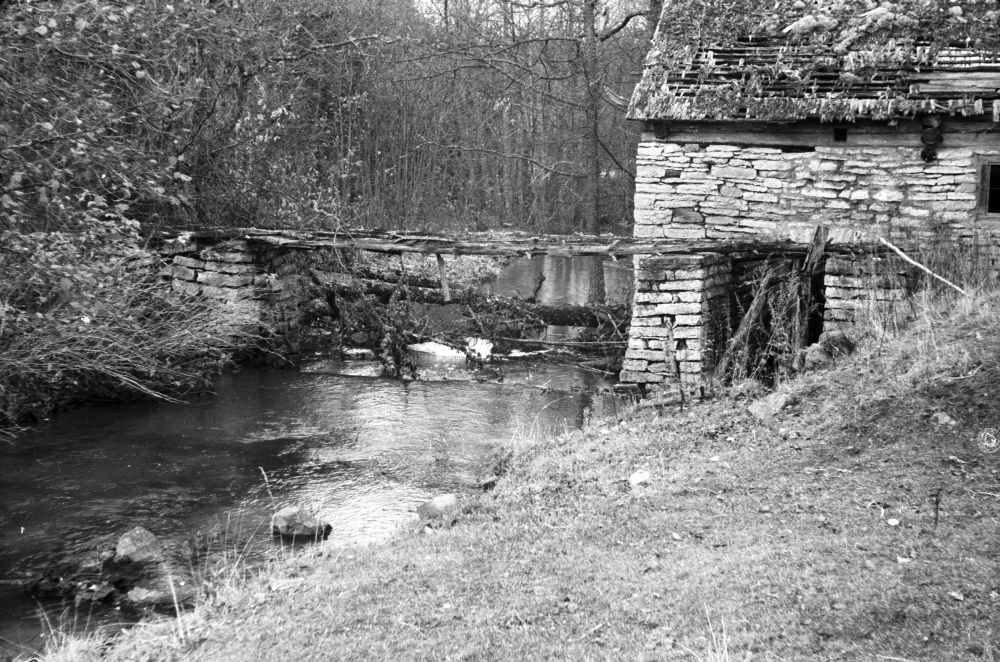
(607, 34)
(518, 157)
(631, 175)
(325, 48)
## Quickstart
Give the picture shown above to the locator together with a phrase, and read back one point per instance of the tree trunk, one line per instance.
(479, 302)
(653, 16)
(591, 103)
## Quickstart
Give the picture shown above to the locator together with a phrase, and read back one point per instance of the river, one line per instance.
(360, 450)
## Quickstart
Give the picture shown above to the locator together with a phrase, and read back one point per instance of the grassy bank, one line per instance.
(854, 517)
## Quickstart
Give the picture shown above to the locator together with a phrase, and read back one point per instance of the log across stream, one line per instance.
(539, 292)
(362, 451)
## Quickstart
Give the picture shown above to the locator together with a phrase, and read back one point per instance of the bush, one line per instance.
(73, 329)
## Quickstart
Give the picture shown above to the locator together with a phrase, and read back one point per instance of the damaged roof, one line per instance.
(779, 80)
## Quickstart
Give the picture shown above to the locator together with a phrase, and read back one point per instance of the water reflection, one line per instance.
(565, 281)
(364, 452)
(575, 281)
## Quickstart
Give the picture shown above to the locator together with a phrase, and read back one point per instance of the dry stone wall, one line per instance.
(257, 287)
(858, 285)
(728, 192)
(680, 316)
(687, 191)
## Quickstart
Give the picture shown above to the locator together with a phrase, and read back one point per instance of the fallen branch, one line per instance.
(567, 343)
(478, 301)
(742, 335)
(909, 259)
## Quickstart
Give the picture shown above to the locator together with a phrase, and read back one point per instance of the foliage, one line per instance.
(304, 113)
(110, 334)
(170, 113)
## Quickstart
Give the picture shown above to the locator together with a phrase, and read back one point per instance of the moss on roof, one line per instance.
(861, 61)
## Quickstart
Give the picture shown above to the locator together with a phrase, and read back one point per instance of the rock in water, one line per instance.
(440, 507)
(159, 592)
(138, 546)
(297, 523)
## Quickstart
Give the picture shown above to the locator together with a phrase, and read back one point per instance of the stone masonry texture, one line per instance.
(680, 308)
(258, 287)
(860, 193)
(726, 192)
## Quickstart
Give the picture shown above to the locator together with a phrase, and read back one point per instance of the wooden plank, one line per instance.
(556, 247)
(967, 81)
(820, 238)
(444, 278)
(906, 134)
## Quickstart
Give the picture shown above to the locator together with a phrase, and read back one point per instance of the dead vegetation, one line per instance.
(387, 302)
(855, 517)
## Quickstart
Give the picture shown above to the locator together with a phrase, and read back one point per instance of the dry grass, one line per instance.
(137, 339)
(851, 526)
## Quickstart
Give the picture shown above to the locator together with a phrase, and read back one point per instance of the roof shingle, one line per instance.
(762, 79)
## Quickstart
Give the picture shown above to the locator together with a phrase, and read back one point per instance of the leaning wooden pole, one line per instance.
(909, 259)
(809, 268)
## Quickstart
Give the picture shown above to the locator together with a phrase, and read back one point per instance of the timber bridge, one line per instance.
(507, 244)
(684, 302)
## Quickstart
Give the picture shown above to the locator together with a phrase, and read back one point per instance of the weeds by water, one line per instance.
(854, 523)
(142, 340)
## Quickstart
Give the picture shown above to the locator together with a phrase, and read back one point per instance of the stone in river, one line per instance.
(161, 591)
(297, 523)
(138, 546)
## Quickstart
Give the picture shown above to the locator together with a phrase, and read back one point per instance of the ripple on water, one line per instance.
(363, 452)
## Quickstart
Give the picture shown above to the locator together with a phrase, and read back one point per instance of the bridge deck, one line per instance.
(556, 245)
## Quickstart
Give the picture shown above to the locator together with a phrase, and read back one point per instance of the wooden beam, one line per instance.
(808, 134)
(518, 246)
(559, 246)
(444, 278)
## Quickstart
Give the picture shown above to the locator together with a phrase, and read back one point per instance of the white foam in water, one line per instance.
(437, 349)
(480, 347)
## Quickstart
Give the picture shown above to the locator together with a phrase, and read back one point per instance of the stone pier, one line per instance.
(855, 286)
(680, 318)
(260, 288)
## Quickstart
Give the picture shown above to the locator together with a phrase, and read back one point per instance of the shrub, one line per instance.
(83, 323)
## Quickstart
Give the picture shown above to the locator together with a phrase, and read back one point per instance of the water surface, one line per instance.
(363, 452)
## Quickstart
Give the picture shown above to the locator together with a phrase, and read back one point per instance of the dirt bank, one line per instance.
(853, 516)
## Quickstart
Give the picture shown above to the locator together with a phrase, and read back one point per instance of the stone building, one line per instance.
(765, 139)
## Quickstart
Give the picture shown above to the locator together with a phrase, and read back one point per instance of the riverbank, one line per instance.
(851, 515)
(78, 329)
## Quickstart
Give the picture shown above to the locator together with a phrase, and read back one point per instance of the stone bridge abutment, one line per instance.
(259, 288)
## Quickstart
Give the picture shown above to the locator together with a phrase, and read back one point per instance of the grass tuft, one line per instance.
(853, 523)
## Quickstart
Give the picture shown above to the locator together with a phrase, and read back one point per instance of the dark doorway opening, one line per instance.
(817, 308)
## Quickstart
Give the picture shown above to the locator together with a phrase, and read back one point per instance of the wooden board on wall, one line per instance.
(803, 135)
